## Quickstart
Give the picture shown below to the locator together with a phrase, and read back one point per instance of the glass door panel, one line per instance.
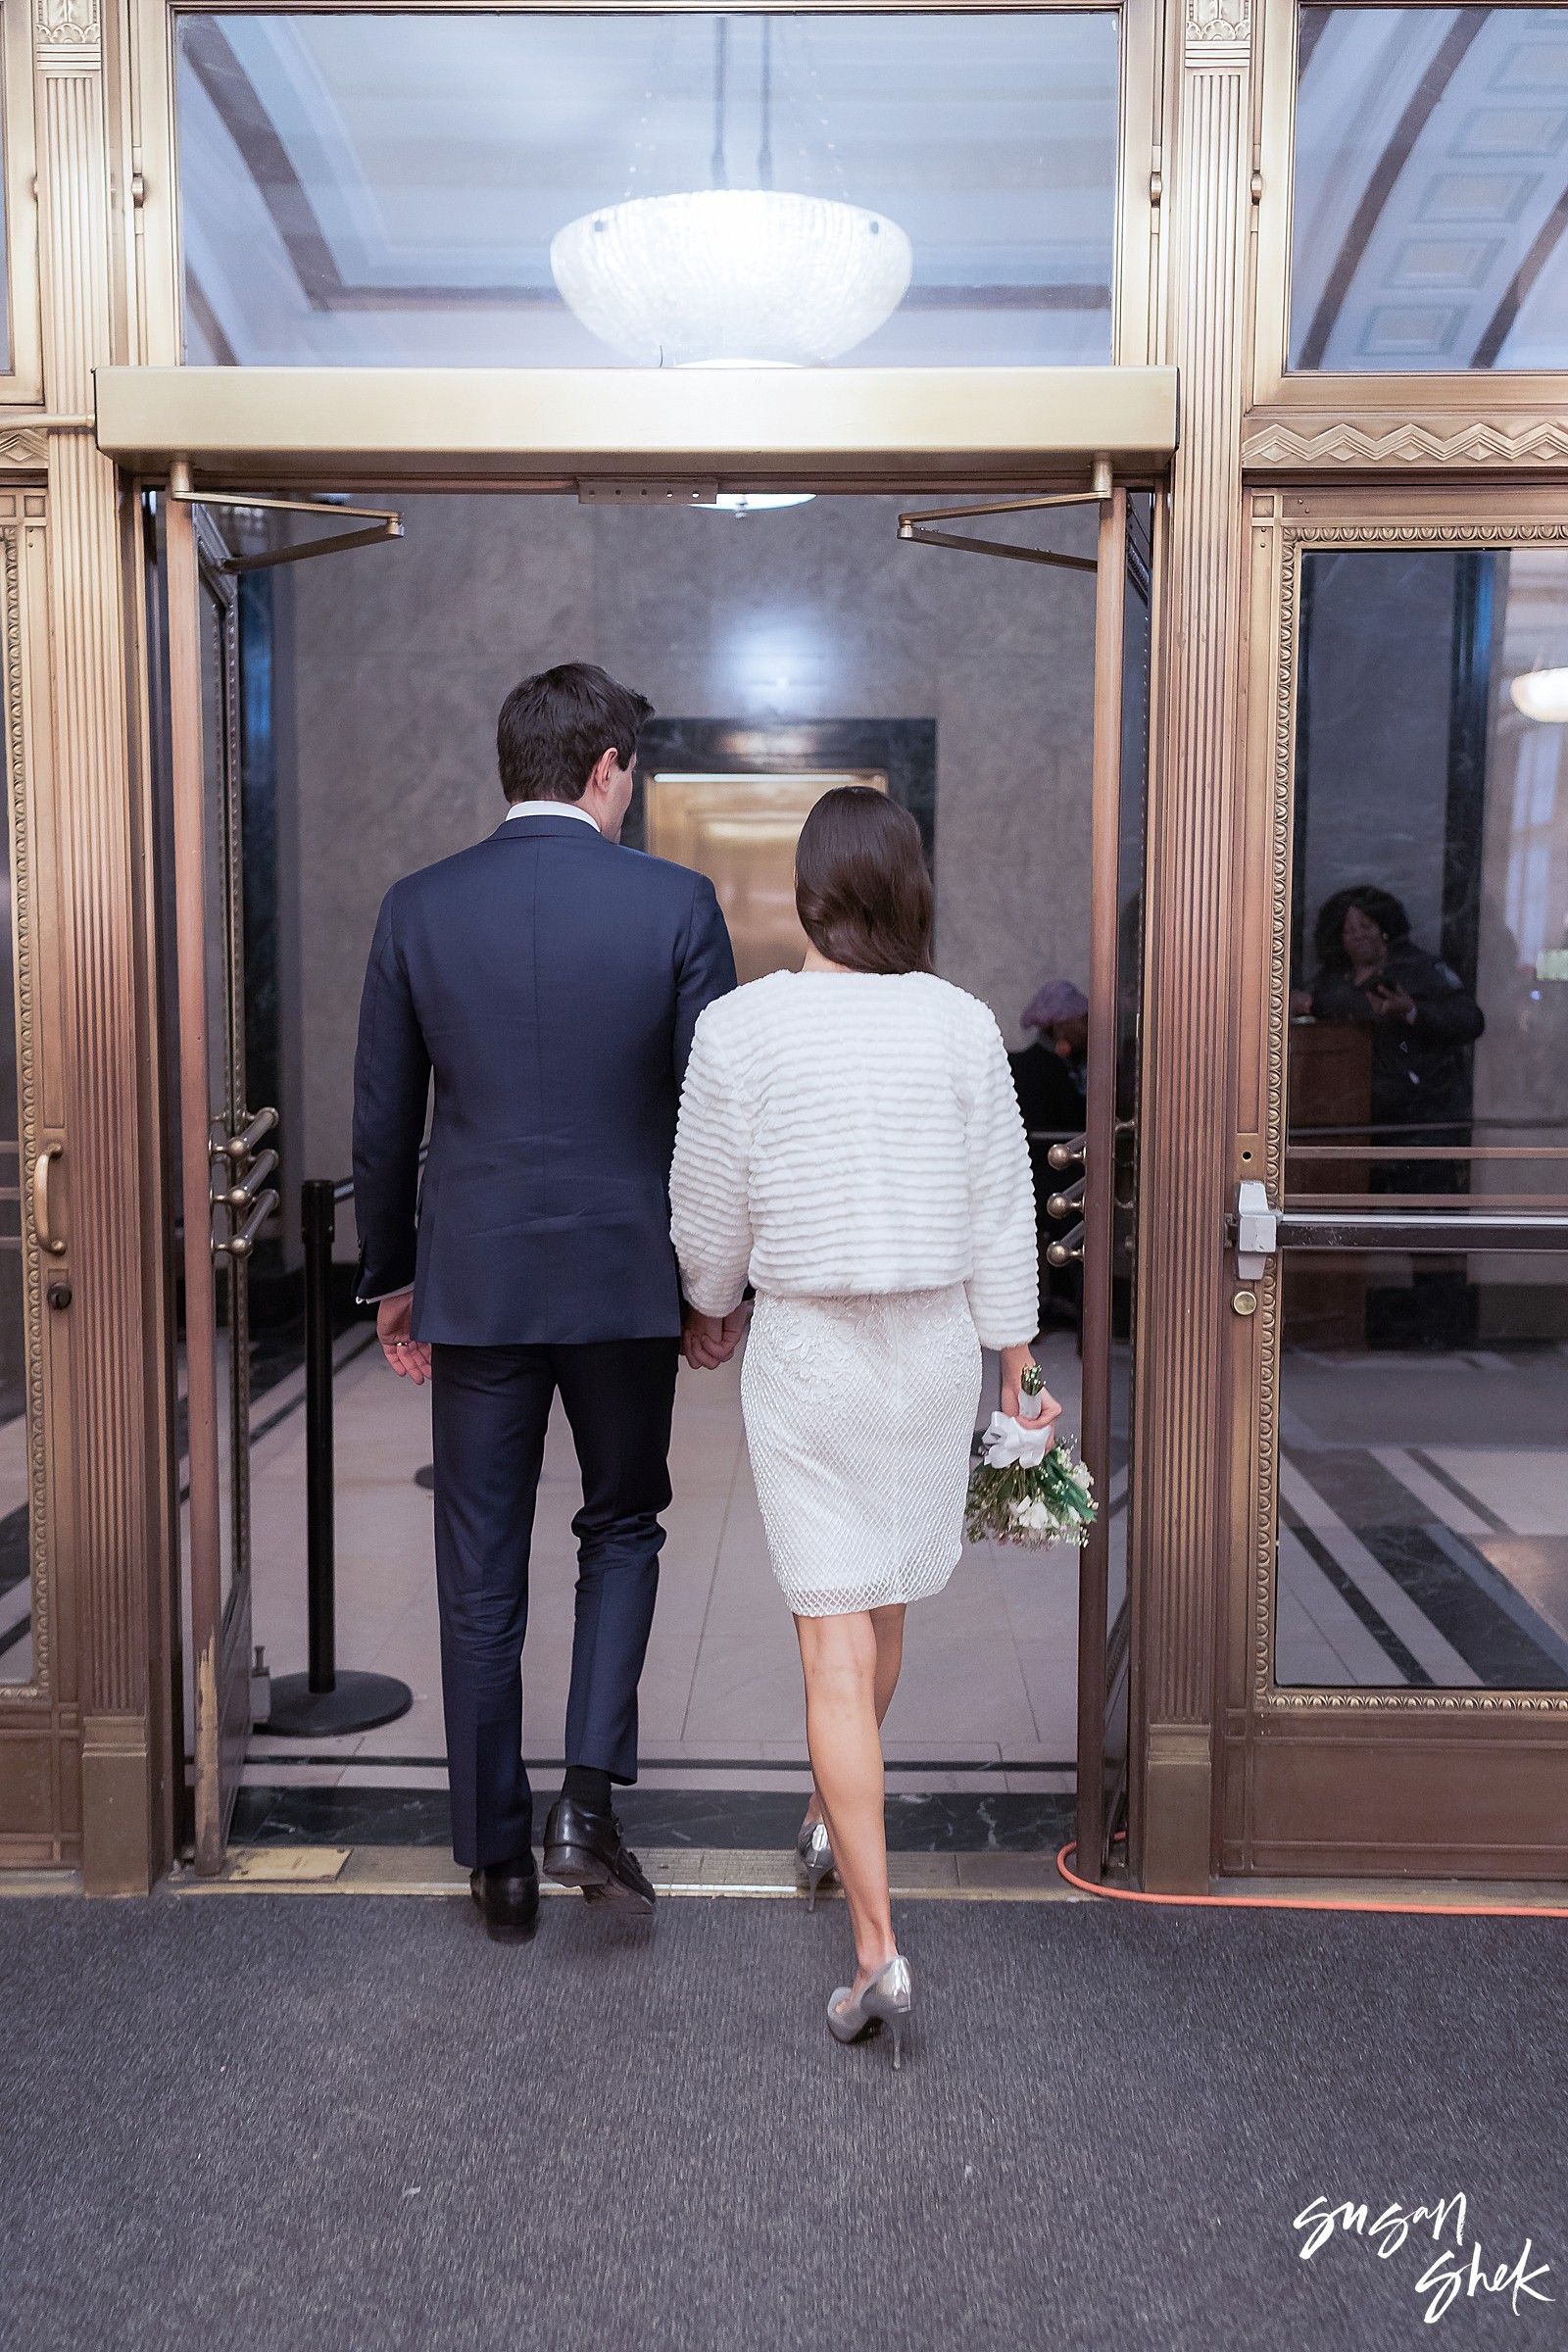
(1137, 655)
(1423, 1473)
(1086, 1182)
(224, 1158)
(225, 1037)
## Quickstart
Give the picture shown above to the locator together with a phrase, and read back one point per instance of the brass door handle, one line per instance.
(1063, 1156)
(242, 1146)
(48, 1238)
(241, 1243)
(240, 1194)
(1061, 1203)
(1071, 1247)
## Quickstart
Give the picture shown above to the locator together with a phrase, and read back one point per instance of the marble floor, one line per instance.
(986, 1708)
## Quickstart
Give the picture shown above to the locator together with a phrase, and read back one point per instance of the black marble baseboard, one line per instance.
(746, 1819)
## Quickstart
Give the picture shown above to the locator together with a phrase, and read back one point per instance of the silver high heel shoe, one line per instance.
(886, 2000)
(814, 1859)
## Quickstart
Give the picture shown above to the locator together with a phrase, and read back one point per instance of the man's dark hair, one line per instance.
(862, 888)
(554, 728)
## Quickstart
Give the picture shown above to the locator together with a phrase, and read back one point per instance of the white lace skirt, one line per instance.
(860, 1417)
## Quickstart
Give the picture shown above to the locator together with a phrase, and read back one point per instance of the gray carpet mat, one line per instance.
(305, 2124)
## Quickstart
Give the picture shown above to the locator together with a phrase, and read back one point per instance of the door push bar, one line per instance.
(385, 522)
(915, 526)
(1258, 1231)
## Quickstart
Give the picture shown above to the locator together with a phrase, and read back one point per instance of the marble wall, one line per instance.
(401, 656)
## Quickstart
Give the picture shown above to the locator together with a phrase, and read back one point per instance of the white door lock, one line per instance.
(1257, 1230)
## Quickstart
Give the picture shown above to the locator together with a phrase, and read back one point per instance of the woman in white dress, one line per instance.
(849, 1143)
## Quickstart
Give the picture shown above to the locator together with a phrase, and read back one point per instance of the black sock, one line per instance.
(585, 1786)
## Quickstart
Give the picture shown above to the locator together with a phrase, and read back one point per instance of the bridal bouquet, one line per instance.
(1024, 1489)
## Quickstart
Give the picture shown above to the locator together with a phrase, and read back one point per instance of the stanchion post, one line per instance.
(322, 1703)
(318, 1231)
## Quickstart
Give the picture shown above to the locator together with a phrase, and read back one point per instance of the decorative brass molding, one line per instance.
(1417, 1702)
(1269, 1288)
(109, 1402)
(1294, 537)
(1216, 32)
(67, 39)
(29, 1138)
(66, 25)
(23, 446)
(1341, 442)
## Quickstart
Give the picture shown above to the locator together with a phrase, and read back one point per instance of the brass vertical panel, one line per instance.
(37, 1721)
(1182, 1466)
(98, 958)
(1100, 1165)
(196, 1109)
(40, 1123)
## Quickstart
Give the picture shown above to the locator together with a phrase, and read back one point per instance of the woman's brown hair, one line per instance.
(862, 888)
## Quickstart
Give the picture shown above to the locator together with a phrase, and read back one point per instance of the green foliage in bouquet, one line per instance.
(1050, 1503)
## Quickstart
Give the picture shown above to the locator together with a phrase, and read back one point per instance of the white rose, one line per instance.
(1081, 1477)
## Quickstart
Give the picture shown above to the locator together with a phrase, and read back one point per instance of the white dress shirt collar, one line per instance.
(550, 808)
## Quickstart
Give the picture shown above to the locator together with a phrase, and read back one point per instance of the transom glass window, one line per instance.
(1431, 189)
(602, 191)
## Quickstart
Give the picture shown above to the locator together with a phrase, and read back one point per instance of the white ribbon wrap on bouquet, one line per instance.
(1010, 1441)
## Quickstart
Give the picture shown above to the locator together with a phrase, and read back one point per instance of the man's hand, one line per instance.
(709, 1340)
(410, 1358)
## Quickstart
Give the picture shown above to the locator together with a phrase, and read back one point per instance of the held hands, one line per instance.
(709, 1340)
(409, 1357)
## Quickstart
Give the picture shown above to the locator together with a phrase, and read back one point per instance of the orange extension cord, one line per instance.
(1303, 1902)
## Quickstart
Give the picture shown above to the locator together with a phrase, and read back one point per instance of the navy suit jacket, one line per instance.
(550, 981)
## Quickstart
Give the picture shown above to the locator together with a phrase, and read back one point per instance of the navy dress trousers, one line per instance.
(549, 981)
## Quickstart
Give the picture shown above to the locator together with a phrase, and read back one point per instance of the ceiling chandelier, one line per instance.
(732, 277)
(1542, 694)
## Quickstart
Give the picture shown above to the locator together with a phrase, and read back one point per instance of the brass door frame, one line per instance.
(1438, 1782)
(550, 429)
(1098, 1674)
(152, 246)
(220, 1630)
(39, 1819)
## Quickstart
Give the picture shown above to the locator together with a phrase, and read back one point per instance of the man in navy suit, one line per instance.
(550, 981)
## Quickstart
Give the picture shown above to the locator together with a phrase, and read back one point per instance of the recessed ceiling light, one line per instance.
(759, 502)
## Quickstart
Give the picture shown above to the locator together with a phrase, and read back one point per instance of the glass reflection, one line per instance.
(1424, 1397)
(384, 190)
(1423, 1494)
(1430, 183)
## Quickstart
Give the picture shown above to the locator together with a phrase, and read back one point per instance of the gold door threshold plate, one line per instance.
(673, 1871)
